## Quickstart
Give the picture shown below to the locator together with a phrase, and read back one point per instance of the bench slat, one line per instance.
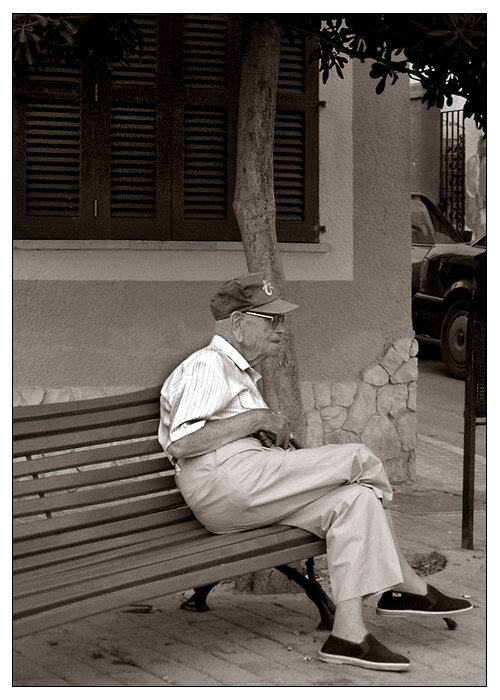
(113, 433)
(75, 585)
(63, 408)
(97, 534)
(95, 516)
(141, 555)
(61, 424)
(93, 477)
(27, 621)
(93, 497)
(86, 457)
(177, 532)
(84, 555)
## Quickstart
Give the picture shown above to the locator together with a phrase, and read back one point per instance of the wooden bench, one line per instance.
(99, 522)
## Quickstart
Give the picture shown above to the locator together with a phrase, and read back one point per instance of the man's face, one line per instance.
(259, 338)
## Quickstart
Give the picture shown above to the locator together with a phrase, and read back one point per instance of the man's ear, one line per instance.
(237, 324)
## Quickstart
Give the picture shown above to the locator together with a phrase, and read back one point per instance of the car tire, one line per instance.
(454, 338)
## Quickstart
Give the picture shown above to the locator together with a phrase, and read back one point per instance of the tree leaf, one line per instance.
(43, 21)
(381, 86)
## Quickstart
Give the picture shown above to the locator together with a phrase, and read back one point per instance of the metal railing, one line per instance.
(452, 168)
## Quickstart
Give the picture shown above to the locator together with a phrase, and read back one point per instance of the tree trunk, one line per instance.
(254, 203)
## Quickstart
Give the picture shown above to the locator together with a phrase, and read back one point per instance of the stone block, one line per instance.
(408, 372)
(403, 346)
(376, 375)
(314, 429)
(407, 430)
(307, 394)
(28, 396)
(333, 417)
(396, 469)
(381, 436)
(392, 399)
(362, 409)
(411, 466)
(414, 348)
(342, 394)
(392, 360)
(340, 437)
(322, 396)
(412, 396)
(57, 395)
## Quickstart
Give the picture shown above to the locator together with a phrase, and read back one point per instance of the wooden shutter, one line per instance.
(147, 149)
(296, 144)
(204, 122)
(52, 158)
(133, 161)
(205, 163)
(133, 176)
(50, 197)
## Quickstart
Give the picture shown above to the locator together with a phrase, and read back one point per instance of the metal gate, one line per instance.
(452, 168)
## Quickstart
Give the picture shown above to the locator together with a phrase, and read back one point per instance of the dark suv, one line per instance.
(442, 264)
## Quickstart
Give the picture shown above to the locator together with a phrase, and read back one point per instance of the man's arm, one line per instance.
(217, 433)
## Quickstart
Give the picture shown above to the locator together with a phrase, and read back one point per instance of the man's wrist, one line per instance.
(258, 419)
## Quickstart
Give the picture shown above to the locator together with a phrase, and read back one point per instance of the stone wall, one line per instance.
(379, 410)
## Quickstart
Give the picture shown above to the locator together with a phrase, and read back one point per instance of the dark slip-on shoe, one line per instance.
(397, 604)
(370, 653)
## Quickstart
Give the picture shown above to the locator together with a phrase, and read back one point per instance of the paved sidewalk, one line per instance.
(272, 640)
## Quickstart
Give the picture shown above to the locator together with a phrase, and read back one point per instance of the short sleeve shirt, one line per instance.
(213, 383)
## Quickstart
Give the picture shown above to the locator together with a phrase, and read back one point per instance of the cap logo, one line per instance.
(268, 288)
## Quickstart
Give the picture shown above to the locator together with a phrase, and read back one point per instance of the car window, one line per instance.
(442, 233)
(421, 223)
(429, 225)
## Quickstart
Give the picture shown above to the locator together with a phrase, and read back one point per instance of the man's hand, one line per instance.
(275, 424)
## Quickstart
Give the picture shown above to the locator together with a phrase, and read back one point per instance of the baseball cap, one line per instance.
(248, 292)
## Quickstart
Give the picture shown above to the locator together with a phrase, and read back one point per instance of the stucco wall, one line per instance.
(425, 135)
(118, 317)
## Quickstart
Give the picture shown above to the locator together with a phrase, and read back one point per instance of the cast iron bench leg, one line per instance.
(314, 591)
(198, 601)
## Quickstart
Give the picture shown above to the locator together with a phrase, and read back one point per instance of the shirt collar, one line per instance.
(234, 355)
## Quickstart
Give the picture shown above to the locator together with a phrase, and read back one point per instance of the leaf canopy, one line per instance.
(446, 53)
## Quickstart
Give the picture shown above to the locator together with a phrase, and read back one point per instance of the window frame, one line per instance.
(169, 98)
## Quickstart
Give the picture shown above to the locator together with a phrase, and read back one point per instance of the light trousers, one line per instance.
(333, 491)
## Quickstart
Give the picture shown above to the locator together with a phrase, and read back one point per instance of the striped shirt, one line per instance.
(213, 383)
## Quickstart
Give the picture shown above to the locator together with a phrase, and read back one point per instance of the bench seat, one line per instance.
(99, 522)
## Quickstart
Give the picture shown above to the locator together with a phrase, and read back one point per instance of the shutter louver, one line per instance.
(133, 161)
(205, 163)
(56, 74)
(140, 70)
(289, 165)
(52, 159)
(293, 61)
(204, 52)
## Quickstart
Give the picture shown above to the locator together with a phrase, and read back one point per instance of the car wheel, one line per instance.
(454, 338)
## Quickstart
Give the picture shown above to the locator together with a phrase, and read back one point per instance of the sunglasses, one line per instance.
(276, 319)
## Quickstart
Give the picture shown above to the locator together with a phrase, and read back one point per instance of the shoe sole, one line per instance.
(433, 613)
(363, 663)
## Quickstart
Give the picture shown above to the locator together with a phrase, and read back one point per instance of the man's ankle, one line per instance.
(351, 633)
(413, 588)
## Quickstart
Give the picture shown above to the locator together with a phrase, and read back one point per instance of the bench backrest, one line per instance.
(89, 472)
